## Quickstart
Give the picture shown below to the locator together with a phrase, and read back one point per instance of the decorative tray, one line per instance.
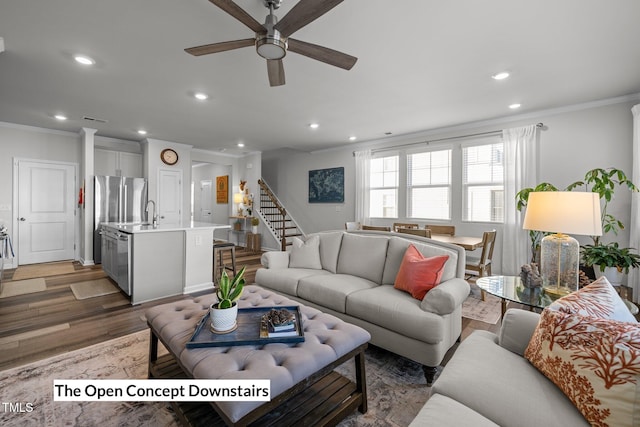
(248, 331)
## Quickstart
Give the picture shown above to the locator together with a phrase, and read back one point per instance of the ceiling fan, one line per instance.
(272, 39)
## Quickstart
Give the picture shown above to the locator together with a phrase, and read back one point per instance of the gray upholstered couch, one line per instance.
(354, 279)
(488, 382)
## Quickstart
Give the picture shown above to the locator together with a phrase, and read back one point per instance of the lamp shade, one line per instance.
(564, 212)
(237, 198)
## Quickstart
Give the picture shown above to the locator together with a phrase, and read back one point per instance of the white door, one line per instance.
(170, 196)
(206, 200)
(46, 211)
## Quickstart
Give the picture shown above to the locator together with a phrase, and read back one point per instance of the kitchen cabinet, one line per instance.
(163, 261)
(118, 163)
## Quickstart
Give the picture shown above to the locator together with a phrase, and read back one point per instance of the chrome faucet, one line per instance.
(155, 216)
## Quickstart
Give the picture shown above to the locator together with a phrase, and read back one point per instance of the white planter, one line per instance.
(254, 229)
(612, 274)
(223, 320)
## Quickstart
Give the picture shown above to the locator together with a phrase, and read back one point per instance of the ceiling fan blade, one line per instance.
(304, 12)
(219, 47)
(275, 71)
(321, 53)
(240, 14)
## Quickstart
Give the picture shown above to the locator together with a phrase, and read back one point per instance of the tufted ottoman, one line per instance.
(304, 388)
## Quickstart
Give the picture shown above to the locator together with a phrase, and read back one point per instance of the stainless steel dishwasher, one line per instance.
(124, 262)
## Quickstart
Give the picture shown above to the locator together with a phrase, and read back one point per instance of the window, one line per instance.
(383, 198)
(483, 182)
(429, 185)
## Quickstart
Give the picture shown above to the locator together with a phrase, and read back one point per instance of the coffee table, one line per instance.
(511, 288)
(305, 390)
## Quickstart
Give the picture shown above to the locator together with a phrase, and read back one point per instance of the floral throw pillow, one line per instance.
(595, 362)
(598, 299)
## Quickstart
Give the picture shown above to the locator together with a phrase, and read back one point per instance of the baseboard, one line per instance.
(207, 286)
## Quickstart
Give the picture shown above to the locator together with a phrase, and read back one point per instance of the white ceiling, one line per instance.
(423, 64)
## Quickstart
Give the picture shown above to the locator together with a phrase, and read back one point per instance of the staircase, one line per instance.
(282, 226)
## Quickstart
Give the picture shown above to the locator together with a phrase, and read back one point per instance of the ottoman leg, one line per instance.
(361, 381)
(153, 350)
(430, 373)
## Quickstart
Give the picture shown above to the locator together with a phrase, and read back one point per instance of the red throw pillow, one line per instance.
(417, 274)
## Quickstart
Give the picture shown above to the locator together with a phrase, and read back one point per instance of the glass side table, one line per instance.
(510, 288)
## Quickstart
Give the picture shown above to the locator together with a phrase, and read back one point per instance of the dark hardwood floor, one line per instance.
(39, 325)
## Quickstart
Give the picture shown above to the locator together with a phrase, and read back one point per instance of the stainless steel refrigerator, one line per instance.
(117, 199)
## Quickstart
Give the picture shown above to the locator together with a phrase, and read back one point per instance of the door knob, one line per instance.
(22, 218)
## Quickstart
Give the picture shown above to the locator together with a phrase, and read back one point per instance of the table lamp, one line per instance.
(237, 198)
(561, 212)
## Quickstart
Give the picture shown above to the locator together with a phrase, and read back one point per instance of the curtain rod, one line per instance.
(471, 135)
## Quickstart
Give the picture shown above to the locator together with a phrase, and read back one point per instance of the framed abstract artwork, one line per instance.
(222, 189)
(326, 185)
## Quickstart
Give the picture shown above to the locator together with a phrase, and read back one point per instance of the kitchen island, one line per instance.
(151, 262)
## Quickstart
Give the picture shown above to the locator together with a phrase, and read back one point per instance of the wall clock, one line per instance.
(169, 156)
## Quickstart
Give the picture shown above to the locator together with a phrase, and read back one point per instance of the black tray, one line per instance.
(247, 332)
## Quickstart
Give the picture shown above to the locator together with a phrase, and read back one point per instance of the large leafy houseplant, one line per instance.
(610, 255)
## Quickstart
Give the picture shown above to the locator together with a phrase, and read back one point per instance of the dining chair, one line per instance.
(398, 225)
(448, 230)
(480, 267)
(423, 232)
(375, 228)
(352, 225)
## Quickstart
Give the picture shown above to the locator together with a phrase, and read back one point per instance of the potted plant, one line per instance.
(522, 198)
(237, 226)
(255, 221)
(613, 262)
(225, 312)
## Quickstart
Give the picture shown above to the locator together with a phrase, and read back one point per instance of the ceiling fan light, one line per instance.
(271, 47)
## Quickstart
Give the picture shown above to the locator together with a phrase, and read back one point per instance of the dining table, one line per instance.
(467, 242)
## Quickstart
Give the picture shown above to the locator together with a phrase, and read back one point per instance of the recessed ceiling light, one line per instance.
(60, 117)
(514, 106)
(240, 144)
(142, 131)
(314, 126)
(201, 96)
(352, 138)
(84, 60)
(500, 76)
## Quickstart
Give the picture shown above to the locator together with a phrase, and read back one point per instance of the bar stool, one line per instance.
(219, 246)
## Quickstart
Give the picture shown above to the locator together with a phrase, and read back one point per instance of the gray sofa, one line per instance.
(488, 382)
(354, 281)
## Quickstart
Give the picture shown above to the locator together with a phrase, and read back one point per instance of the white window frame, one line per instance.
(386, 187)
(411, 186)
(499, 204)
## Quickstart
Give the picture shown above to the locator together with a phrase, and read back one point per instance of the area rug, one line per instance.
(21, 287)
(488, 311)
(396, 387)
(43, 270)
(93, 288)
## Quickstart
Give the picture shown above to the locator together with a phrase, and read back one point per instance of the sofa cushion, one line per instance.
(595, 362)
(305, 254)
(442, 411)
(397, 311)
(503, 386)
(329, 249)
(417, 274)
(331, 291)
(399, 245)
(285, 279)
(363, 256)
(598, 299)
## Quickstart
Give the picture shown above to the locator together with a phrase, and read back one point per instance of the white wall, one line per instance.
(572, 141)
(27, 142)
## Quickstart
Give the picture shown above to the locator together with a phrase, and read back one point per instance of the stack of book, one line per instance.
(278, 323)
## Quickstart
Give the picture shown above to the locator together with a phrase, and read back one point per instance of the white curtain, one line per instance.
(634, 226)
(521, 166)
(363, 160)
